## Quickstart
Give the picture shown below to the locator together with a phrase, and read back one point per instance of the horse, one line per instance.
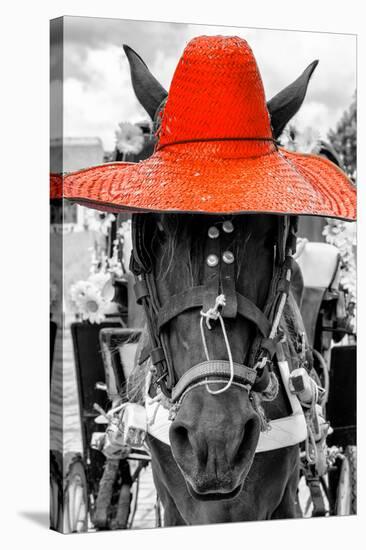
(210, 472)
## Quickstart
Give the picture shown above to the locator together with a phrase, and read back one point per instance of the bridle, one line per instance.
(254, 377)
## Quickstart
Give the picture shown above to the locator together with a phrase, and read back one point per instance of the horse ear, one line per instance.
(283, 106)
(148, 90)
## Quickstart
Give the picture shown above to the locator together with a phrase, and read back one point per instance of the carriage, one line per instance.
(189, 160)
(87, 490)
(98, 492)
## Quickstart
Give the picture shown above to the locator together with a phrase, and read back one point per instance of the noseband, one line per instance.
(221, 281)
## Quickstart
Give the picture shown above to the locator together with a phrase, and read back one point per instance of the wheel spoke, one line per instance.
(82, 517)
(71, 502)
(53, 504)
(75, 517)
(344, 490)
(78, 506)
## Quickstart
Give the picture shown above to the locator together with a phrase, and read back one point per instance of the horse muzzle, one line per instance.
(213, 440)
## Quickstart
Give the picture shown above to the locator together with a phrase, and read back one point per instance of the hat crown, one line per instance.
(216, 92)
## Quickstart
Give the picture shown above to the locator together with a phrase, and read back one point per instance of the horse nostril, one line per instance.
(181, 440)
(181, 434)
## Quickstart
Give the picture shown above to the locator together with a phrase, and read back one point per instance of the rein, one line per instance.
(217, 300)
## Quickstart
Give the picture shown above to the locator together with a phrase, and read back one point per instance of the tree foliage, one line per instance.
(344, 139)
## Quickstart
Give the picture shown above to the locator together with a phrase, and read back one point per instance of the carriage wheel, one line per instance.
(304, 501)
(120, 521)
(346, 503)
(158, 512)
(76, 500)
(55, 508)
(55, 495)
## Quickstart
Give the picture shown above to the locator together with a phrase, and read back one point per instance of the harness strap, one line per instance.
(250, 311)
(270, 344)
(194, 297)
(214, 370)
(280, 283)
(211, 272)
(313, 482)
(227, 277)
(158, 349)
(262, 381)
(178, 303)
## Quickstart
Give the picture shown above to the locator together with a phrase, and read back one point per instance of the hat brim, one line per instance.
(56, 187)
(280, 182)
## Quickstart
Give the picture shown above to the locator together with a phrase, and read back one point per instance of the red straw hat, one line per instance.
(216, 152)
(56, 183)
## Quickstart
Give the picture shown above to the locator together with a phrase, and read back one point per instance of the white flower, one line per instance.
(125, 228)
(104, 283)
(99, 280)
(307, 141)
(98, 221)
(88, 301)
(129, 138)
(94, 308)
(79, 292)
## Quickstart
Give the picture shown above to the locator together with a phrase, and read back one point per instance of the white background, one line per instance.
(24, 294)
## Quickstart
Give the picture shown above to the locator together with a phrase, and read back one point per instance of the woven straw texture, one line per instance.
(55, 186)
(201, 165)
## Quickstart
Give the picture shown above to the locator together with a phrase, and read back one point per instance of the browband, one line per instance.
(194, 297)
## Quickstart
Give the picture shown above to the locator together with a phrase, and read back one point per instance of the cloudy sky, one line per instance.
(97, 87)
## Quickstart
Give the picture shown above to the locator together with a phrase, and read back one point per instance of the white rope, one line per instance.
(213, 314)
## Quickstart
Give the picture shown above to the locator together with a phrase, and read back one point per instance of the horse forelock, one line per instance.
(178, 243)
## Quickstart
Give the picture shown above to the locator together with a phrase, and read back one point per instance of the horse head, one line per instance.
(214, 435)
(193, 260)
